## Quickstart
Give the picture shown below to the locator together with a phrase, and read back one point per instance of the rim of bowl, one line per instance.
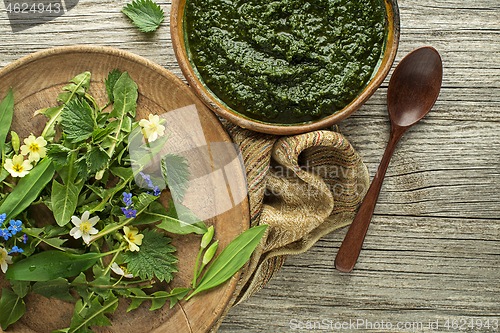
(391, 41)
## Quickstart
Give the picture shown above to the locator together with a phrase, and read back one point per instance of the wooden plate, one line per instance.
(36, 81)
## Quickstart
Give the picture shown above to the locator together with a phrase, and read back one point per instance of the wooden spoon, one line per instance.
(413, 89)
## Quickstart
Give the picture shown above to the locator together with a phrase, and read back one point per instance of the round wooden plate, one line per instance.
(36, 81)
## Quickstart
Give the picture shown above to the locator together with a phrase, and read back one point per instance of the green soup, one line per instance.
(285, 61)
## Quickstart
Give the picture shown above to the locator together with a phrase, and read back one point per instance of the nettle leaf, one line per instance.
(97, 158)
(59, 154)
(77, 121)
(12, 308)
(145, 14)
(175, 172)
(94, 315)
(76, 88)
(110, 82)
(154, 258)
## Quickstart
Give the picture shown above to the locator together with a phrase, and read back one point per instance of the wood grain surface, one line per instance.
(432, 252)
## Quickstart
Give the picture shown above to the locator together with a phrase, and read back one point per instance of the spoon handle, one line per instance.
(351, 246)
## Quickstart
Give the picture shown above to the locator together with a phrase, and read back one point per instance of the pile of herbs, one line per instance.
(105, 242)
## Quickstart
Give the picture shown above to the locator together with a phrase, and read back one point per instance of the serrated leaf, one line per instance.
(59, 154)
(231, 259)
(94, 315)
(12, 308)
(77, 121)
(81, 80)
(145, 14)
(64, 200)
(110, 82)
(154, 259)
(80, 285)
(100, 133)
(57, 288)
(175, 172)
(97, 159)
(6, 112)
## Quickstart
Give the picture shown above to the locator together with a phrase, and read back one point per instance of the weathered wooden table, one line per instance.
(432, 253)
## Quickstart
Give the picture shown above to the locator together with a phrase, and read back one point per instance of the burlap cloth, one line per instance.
(303, 187)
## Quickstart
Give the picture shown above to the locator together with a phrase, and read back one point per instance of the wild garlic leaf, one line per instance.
(231, 259)
(145, 14)
(6, 112)
(12, 308)
(154, 258)
(174, 170)
(77, 121)
(21, 288)
(94, 315)
(178, 219)
(110, 82)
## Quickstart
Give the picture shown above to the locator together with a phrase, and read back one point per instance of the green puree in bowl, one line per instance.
(285, 61)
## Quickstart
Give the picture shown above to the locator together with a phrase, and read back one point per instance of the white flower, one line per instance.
(121, 270)
(133, 238)
(84, 227)
(152, 128)
(18, 166)
(5, 259)
(35, 147)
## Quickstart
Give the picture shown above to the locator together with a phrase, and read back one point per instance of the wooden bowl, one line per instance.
(382, 69)
(36, 81)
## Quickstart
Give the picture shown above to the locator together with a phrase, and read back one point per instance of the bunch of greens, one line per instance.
(108, 236)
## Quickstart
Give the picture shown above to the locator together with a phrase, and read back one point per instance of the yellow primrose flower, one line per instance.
(133, 238)
(152, 128)
(35, 147)
(84, 227)
(5, 259)
(121, 270)
(18, 166)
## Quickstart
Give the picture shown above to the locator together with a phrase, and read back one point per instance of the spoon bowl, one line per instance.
(413, 90)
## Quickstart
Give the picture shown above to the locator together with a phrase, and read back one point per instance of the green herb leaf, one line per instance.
(49, 265)
(110, 82)
(178, 219)
(231, 259)
(154, 258)
(64, 200)
(12, 308)
(28, 189)
(175, 172)
(125, 95)
(59, 154)
(77, 121)
(97, 159)
(137, 301)
(79, 84)
(6, 112)
(177, 294)
(21, 288)
(57, 288)
(145, 14)
(94, 315)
